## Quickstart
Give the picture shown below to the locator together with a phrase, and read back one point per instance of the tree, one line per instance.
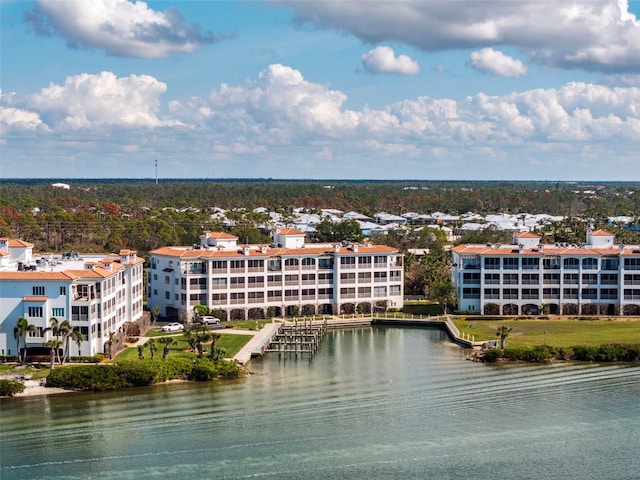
(22, 328)
(141, 352)
(152, 348)
(503, 333)
(214, 336)
(167, 341)
(74, 335)
(54, 347)
(113, 338)
(348, 231)
(155, 313)
(200, 310)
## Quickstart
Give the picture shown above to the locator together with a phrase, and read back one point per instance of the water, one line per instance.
(375, 403)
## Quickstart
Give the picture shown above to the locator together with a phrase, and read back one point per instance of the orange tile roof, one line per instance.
(547, 250)
(527, 235)
(34, 275)
(15, 243)
(220, 235)
(35, 299)
(601, 233)
(290, 231)
(307, 250)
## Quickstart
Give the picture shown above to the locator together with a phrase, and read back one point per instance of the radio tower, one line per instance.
(156, 172)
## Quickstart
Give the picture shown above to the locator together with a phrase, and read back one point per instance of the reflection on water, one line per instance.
(374, 403)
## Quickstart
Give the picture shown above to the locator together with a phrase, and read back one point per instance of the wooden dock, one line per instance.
(298, 338)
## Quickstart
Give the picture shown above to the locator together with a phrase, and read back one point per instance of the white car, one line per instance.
(208, 320)
(173, 327)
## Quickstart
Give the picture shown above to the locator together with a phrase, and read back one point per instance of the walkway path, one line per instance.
(260, 340)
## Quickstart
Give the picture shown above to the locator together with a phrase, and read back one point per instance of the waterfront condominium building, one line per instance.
(287, 277)
(96, 293)
(596, 277)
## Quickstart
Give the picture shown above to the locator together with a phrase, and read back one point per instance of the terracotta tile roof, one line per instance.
(31, 275)
(547, 250)
(601, 233)
(290, 231)
(35, 299)
(527, 235)
(182, 252)
(226, 235)
(15, 243)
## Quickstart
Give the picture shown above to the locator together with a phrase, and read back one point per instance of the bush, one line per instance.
(8, 358)
(139, 373)
(95, 359)
(492, 355)
(8, 388)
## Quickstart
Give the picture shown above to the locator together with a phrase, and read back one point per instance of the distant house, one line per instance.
(64, 186)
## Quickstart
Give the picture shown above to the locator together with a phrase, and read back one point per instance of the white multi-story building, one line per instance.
(97, 294)
(597, 277)
(289, 276)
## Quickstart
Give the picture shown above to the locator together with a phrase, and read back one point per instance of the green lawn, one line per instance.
(559, 333)
(230, 342)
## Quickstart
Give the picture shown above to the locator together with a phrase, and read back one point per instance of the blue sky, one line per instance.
(484, 90)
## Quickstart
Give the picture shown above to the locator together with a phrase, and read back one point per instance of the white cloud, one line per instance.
(118, 27)
(274, 124)
(91, 101)
(383, 60)
(595, 35)
(497, 63)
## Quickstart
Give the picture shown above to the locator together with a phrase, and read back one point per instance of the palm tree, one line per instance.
(167, 342)
(54, 347)
(215, 336)
(155, 313)
(77, 337)
(503, 333)
(113, 338)
(20, 331)
(141, 352)
(152, 348)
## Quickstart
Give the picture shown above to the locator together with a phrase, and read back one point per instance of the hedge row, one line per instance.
(139, 374)
(8, 388)
(611, 352)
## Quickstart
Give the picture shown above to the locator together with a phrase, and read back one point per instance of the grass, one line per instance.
(559, 333)
(231, 343)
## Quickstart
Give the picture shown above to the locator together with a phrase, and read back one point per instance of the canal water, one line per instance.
(375, 403)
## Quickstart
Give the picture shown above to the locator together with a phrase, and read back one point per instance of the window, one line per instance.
(632, 263)
(219, 265)
(308, 263)
(364, 262)
(325, 263)
(473, 263)
(589, 279)
(35, 311)
(609, 294)
(348, 292)
(379, 291)
(38, 291)
(510, 293)
(291, 263)
(308, 293)
(274, 264)
(255, 282)
(348, 262)
(492, 278)
(395, 275)
(255, 297)
(155, 276)
(590, 293)
(255, 265)
(632, 293)
(571, 263)
(236, 297)
(510, 279)
(530, 263)
(551, 278)
(237, 265)
(551, 263)
(589, 263)
(63, 290)
(490, 263)
(218, 298)
(167, 280)
(291, 294)
(218, 283)
(530, 293)
(380, 261)
(380, 277)
(511, 263)
(551, 293)
(394, 290)
(325, 293)
(571, 278)
(530, 278)
(57, 312)
(237, 282)
(610, 263)
(364, 277)
(348, 277)
(308, 278)
(291, 279)
(491, 293)
(364, 291)
(325, 277)
(167, 295)
(274, 279)
(471, 277)
(274, 295)
(570, 293)
(198, 282)
(471, 292)
(631, 279)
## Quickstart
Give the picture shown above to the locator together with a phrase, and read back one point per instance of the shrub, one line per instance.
(492, 355)
(95, 359)
(8, 388)
(492, 309)
(585, 353)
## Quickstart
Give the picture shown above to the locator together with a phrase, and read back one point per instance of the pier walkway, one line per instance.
(262, 339)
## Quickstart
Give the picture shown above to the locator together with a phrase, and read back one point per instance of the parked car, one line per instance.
(209, 320)
(173, 327)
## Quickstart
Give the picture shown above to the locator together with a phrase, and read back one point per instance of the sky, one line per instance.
(414, 89)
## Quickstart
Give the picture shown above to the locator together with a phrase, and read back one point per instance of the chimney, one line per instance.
(520, 248)
(540, 248)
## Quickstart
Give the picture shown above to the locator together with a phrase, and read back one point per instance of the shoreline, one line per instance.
(32, 387)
